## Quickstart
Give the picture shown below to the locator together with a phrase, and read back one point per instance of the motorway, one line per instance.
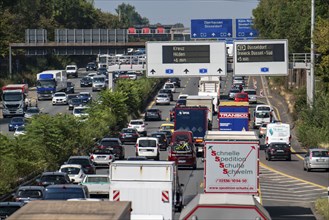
(286, 190)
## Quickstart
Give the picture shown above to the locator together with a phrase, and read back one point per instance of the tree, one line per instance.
(129, 17)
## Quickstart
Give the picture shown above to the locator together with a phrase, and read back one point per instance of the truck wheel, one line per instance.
(194, 166)
(158, 157)
(289, 158)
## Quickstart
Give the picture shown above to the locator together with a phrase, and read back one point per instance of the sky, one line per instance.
(169, 12)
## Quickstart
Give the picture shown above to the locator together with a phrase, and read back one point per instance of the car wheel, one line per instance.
(269, 158)
(304, 167)
(289, 158)
(158, 157)
(145, 134)
(308, 169)
(194, 166)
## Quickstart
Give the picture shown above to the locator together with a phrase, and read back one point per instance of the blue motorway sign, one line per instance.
(211, 28)
(244, 28)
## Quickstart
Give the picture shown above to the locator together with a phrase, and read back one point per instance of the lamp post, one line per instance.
(311, 80)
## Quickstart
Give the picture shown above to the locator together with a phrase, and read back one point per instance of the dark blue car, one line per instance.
(15, 123)
(85, 96)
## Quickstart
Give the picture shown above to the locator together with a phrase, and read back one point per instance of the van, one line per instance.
(262, 115)
(278, 132)
(98, 83)
(72, 70)
(148, 147)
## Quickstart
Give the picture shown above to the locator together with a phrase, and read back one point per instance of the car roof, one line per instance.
(31, 187)
(79, 157)
(53, 173)
(63, 186)
(318, 149)
(71, 165)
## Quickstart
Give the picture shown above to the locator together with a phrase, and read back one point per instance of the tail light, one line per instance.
(110, 157)
(91, 157)
(121, 134)
(266, 140)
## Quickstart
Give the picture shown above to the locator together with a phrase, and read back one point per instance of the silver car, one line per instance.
(162, 99)
(316, 158)
(252, 95)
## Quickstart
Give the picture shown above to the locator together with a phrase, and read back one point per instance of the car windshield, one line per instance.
(46, 83)
(97, 179)
(320, 153)
(59, 94)
(103, 151)
(13, 96)
(128, 131)
(165, 91)
(80, 110)
(70, 68)
(70, 170)
(29, 193)
(147, 143)
(32, 110)
(181, 101)
(251, 92)
(162, 96)
(80, 161)
(8, 210)
(109, 143)
(262, 115)
(84, 95)
(76, 101)
(53, 179)
(136, 122)
(234, 91)
(99, 80)
(17, 120)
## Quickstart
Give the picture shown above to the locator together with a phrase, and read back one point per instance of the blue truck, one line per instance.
(233, 116)
(195, 119)
(50, 82)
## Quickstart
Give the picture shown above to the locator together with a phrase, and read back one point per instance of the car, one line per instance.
(252, 95)
(86, 82)
(115, 144)
(70, 87)
(20, 131)
(91, 66)
(168, 135)
(87, 165)
(128, 135)
(28, 193)
(232, 93)
(180, 102)
(91, 75)
(72, 70)
(262, 130)
(85, 96)
(140, 126)
(102, 156)
(170, 86)
(99, 83)
(75, 172)
(65, 192)
(167, 126)
(241, 97)
(81, 112)
(162, 99)
(8, 208)
(316, 158)
(278, 150)
(52, 178)
(153, 114)
(176, 82)
(75, 102)
(102, 71)
(167, 91)
(148, 147)
(183, 154)
(31, 112)
(162, 137)
(16, 122)
(59, 98)
(238, 80)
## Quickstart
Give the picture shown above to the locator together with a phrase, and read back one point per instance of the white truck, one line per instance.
(72, 70)
(210, 86)
(14, 99)
(196, 100)
(231, 162)
(98, 185)
(152, 187)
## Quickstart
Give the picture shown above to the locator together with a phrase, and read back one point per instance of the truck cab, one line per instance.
(72, 70)
(14, 99)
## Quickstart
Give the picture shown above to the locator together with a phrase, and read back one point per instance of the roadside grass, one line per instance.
(322, 207)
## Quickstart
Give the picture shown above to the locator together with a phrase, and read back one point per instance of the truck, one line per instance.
(231, 162)
(98, 185)
(14, 99)
(195, 100)
(194, 119)
(210, 86)
(72, 70)
(50, 82)
(73, 209)
(223, 207)
(233, 116)
(152, 187)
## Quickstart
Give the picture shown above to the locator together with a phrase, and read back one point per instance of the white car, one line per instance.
(139, 125)
(170, 86)
(81, 112)
(91, 75)
(59, 98)
(102, 156)
(19, 131)
(72, 70)
(148, 147)
(74, 171)
(162, 99)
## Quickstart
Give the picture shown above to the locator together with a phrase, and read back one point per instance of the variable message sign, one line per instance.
(263, 57)
(185, 59)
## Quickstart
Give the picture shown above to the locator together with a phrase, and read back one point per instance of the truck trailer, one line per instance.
(14, 99)
(233, 116)
(152, 187)
(50, 82)
(196, 100)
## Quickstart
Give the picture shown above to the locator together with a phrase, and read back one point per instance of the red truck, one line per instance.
(182, 149)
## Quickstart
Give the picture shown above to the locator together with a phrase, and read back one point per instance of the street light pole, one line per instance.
(311, 87)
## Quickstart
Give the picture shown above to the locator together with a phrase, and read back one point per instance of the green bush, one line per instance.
(321, 206)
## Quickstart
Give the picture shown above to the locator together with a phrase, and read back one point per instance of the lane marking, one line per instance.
(296, 178)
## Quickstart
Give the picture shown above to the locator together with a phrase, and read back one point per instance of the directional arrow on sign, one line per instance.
(186, 71)
(219, 70)
(152, 71)
(194, 34)
(251, 34)
(213, 34)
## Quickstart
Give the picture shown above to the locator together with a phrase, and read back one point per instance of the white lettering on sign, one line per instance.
(233, 115)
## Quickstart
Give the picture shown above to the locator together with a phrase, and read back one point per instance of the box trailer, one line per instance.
(152, 187)
(194, 100)
(233, 116)
(231, 162)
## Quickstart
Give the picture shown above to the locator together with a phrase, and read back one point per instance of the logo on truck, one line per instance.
(233, 115)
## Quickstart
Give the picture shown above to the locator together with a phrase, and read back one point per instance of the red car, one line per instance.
(241, 97)
(183, 154)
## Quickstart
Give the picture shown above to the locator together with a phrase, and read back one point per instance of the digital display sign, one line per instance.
(260, 53)
(186, 54)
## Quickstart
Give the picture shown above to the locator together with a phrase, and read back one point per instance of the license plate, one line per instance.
(320, 160)
(101, 157)
(279, 151)
(128, 135)
(136, 126)
(181, 161)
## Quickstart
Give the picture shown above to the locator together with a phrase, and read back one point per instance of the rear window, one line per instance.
(167, 127)
(79, 161)
(29, 193)
(320, 154)
(129, 131)
(280, 146)
(109, 143)
(251, 92)
(70, 170)
(103, 151)
(147, 143)
(262, 115)
(64, 194)
(169, 86)
(53, 178)
(241, 95)
(136, 122)
(263, 108)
